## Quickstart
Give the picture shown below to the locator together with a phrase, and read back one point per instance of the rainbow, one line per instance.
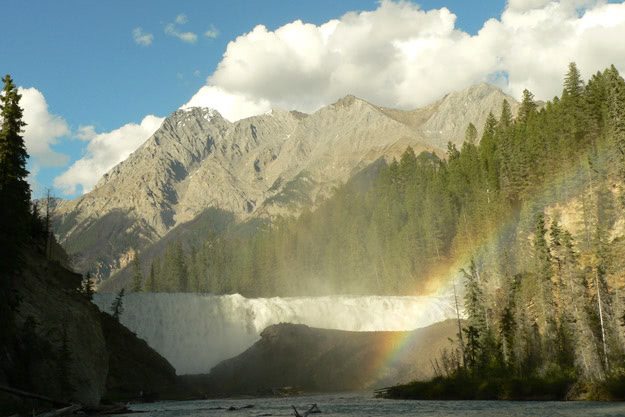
(395, 347)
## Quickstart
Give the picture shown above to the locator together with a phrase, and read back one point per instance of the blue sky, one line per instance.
(99, 81)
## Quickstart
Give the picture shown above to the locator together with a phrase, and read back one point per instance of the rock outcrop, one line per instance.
(63, 347)
(272, 164)
(320, 360)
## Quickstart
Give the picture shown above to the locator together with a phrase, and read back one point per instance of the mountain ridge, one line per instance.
(262, 166)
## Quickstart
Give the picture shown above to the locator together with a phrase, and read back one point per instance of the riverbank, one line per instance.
(561, 388)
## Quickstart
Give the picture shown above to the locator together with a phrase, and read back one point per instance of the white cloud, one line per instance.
(36, 189)
(396, 56)
(141, 38)
(212, 32)
(105, 150)
(85, 133)
(196, 73)
(188, 37)
(181, 19)
(401, 56)
(42, 129)
(526, 4)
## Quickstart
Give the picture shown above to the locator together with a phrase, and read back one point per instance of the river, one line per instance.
(364, 404)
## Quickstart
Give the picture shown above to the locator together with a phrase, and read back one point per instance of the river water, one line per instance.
(364, 404)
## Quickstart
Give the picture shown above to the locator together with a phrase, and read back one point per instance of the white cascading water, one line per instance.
(196, 331)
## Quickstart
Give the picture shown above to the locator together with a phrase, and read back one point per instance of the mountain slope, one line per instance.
(272, 164)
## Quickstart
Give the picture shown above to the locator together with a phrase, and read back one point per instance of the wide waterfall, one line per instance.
(196, 331)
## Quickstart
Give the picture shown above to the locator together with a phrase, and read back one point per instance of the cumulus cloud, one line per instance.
(85, 133)
(181, 19)
(188, 37)
(42, 129)
(212, 32)
(104, 151)
(141, 38)
(526, 4)
(401, 56)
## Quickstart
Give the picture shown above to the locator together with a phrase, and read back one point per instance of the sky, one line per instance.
(98, 78)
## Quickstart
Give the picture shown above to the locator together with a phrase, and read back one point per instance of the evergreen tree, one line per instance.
(179, 263)
(117, 308)
(470, 135)
(528, 107)
(13, 185)
(544, 274)
(150, 284)
(475, 313)
(505, 120)
(616, 120)
(137, 274)
(573, 84)
(87, 287)
(15, 214)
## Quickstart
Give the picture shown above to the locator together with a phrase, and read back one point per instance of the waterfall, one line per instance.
(197, 331)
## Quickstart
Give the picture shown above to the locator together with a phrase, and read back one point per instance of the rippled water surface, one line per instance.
(364, 404)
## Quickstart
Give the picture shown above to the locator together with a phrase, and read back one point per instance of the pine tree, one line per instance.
(544, 274)
(470, 135)
(87, 287)
(489, 157)
(573, 84)
(528, 107)
(137, 274)
(476, 317)
(150, 284)
(14, 189)
(506, 115)
(179, 263)
(117, 308)
(616, 120)
(15, 214)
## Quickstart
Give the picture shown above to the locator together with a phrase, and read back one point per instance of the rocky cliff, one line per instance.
(267, 165)
(320, 360)
(63, 347)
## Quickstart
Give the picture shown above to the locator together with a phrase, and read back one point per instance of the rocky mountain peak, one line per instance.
(456, 110)
(206, 113)
(348, 101)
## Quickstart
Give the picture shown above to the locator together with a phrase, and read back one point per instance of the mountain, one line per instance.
(262, 166)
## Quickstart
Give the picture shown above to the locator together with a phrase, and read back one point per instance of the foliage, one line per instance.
(87, 287)
(117, 308)
(137, 274)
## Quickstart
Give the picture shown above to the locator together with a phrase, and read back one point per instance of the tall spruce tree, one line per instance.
(470, 135)
(117, 308)
(14, 200)
(137, 274)
(14, 189)
(528, 107)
